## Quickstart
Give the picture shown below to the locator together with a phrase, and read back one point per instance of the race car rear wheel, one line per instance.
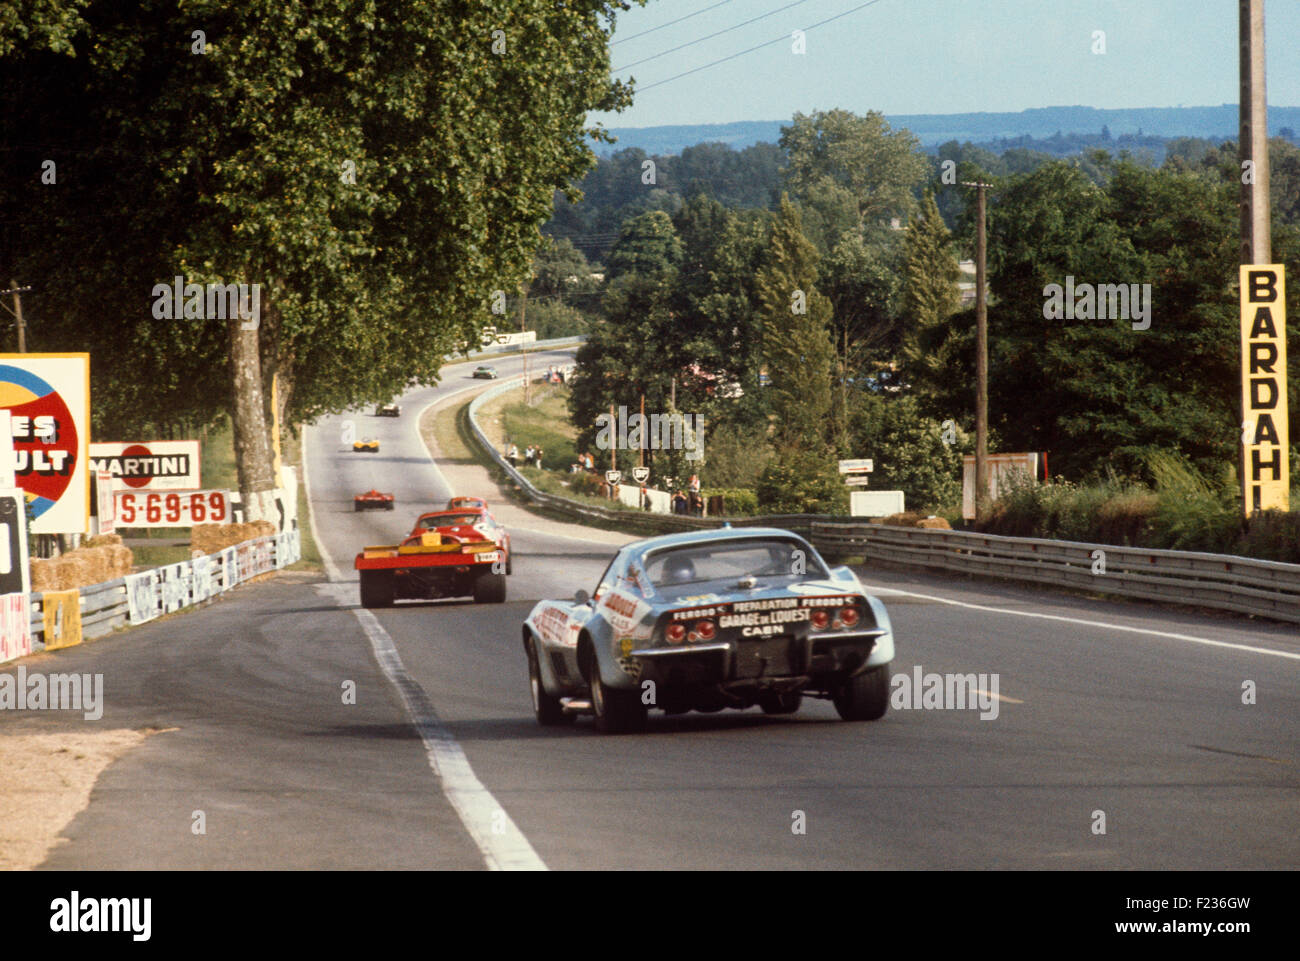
(617, 712)
(548, 709)
(388, 506)
(864, 697)
(510, 563)
(786, 702)
(356, 506)
(377, 589)
(490, 588)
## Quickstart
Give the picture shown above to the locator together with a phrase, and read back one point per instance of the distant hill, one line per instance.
(933, 129)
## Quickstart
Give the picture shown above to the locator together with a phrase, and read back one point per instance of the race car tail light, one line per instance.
(704, 631)
(819, 619)
(849, 616)
(675, 633)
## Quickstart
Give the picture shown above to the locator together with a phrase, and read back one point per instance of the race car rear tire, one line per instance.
(786, 702)
(490, 588)
(617, 712)
(864, 697)
(549, 709)
(388, 506)
(356, 506)
(377, 589)
(510, 563)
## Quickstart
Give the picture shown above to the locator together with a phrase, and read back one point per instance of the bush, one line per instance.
(792, 484)
(587, 483)
(736, 501)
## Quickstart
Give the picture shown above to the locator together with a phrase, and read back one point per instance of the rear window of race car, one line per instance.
(681, 570)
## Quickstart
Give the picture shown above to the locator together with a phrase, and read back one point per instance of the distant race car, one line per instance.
(467, 521)
(710, 619)
(388, 410)
(372, 500)
(457, 503)
(367, 446)
(485, 373)
(450, 554)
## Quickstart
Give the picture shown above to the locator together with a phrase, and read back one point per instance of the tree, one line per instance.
(378, 176)
(837, 158)
(797, 347)
(930, 294)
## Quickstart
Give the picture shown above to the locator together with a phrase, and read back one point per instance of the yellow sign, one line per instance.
(1264, 433)
(62, 610)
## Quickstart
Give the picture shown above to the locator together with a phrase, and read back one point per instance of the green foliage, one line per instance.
(908, 450)
(647, 245)
(930, 295)
(840, 161)
(797, 483)
(736, 501)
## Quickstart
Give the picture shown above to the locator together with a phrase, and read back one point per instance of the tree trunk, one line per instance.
(248, 417)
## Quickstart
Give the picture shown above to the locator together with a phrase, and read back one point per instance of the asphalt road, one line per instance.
(1127, 709)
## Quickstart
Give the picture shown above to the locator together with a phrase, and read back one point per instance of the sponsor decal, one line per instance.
(157, 465)
(48, 398)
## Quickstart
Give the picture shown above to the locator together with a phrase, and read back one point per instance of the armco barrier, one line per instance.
(1219, 581)
(138, 598)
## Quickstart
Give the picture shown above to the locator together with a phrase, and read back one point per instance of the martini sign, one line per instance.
(48, 399)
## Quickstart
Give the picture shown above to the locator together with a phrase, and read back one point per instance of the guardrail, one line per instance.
(139, 598)
(1220, 581)
(529, 347)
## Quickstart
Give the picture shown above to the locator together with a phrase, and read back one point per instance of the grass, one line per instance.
(543, 420)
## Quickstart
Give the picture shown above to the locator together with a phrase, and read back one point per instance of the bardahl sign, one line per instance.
(157, 465)
(48, 399)
(1264, 432)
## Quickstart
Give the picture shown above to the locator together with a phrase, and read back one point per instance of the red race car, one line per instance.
(372, 500)
(459, 503)
(468, 522)
(449, 554)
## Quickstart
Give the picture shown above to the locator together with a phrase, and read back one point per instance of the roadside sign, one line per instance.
(152, 465)
(172, 509)
(1265, 439)
(612, 477)
(640, 474)
(861, 465)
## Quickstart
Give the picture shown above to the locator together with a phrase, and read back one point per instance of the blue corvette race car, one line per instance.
(706, 620)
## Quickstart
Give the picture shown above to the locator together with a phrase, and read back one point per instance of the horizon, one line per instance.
(725, 61)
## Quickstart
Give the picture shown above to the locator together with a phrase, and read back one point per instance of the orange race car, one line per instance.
(456, 503)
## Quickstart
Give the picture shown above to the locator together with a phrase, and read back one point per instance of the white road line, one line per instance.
(1104, 625)
(502, 844)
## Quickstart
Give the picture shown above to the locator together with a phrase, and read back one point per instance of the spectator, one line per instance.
(696, 504)
(679, 503)
(512, 455)
(537, 455)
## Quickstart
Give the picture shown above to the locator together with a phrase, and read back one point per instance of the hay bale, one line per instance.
(934, 523)
(210, 538)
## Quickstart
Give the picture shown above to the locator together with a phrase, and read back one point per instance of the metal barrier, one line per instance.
(138, 598)
(1219, 581)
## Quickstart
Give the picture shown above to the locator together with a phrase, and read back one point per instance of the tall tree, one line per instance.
(930, 295)
(797, 347)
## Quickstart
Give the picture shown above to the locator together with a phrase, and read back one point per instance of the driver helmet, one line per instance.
(679, 570)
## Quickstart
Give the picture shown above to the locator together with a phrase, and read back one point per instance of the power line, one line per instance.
(820, 23)
(691, 43)
(669, 23)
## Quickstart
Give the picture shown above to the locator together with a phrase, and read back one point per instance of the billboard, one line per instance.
(155, 465)
(1264, 429)
(48, 399)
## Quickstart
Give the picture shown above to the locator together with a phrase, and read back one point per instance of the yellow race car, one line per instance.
(368, 446)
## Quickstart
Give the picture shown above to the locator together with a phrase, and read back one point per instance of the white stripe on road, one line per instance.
(502, 844)
(1103, 625)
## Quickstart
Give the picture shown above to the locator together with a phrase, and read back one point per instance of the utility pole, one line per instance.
(1256, 239)
(523, 306)
(1252, 146)
(18, 312)
(981, 358)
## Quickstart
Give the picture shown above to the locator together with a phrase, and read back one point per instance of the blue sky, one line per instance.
(941, 56)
